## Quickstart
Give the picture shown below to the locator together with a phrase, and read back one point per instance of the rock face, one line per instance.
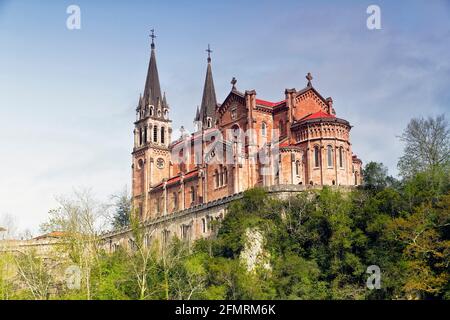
(254, 256)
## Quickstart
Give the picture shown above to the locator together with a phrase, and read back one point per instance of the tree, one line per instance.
(79, 219)
(35, 273)
(375, 176)
(8, 286)
(424, 235)
(122, 205)
(427, 145)
(142, 255)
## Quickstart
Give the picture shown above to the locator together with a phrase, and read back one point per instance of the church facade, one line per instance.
(240, 143)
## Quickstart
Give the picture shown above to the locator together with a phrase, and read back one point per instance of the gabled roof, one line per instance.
(233, 92)
(305, 89)
(269, 103)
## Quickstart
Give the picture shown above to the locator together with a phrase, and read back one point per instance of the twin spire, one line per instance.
(152, 90)
(207, 113)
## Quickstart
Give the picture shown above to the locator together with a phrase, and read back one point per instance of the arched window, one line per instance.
(155, 134)
(330, 156)
(192, 195)
(316, 156)
(297, 167)
(204, 225)
(263, 129)
(163, 135)
(140, 136)
(236, 131)
(281, 127)
(158, 205)
(341, 157)
(216, 177)
(175, 201)
(220, 176)
(225, 176)
(209, 122)
(152, 112)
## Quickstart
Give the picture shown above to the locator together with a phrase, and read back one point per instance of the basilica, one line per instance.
(239, 143)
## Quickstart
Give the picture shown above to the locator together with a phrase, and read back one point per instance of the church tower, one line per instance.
(206, 116)
(152, 136)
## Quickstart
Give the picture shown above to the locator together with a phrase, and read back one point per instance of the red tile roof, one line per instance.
(268, 103)
(54, 234)
(191, 174)
(318, 115)
(174, 179)
(286, 143)
(178, 178)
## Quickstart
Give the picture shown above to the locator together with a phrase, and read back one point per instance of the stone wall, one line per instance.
(194, 223)
(42, 247)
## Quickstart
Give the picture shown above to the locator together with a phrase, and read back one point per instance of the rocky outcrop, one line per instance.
(254, 256)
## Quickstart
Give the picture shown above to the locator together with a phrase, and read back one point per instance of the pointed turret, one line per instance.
(140, 102)
(165, 105)
(152, 90)
(197, 121)
(197, 115)
(209, 101)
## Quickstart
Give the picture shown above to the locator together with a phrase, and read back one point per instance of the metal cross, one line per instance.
(153, 36)
(309, 78)
(209, 53)
(233, 82)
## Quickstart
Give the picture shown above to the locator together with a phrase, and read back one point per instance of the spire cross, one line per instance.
(309, 78)
(233, 83)
(209, 53)
(153, 37)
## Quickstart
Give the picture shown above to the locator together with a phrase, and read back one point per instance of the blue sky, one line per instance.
(67, 98)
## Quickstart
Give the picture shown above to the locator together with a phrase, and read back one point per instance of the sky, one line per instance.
(68, 97)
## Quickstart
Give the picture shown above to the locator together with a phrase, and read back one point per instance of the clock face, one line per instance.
(160, 163)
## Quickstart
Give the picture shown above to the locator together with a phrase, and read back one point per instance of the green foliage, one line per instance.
(122, 209)
(375, 176)
(318, 245)
(427, 145)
